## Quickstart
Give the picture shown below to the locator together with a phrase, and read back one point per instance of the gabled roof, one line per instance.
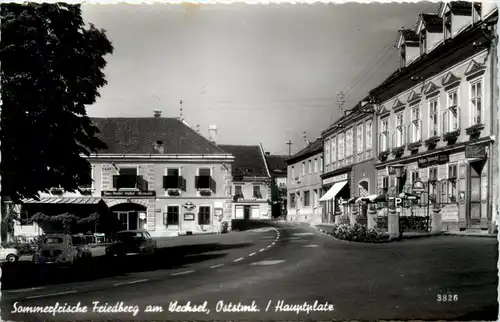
(449, 79)
(311, 149)
(276, 163)
(407, 35)
(431, 21)
(139, 135)
(473, 67)
(457, 7)
(430, 88)
(249, 160)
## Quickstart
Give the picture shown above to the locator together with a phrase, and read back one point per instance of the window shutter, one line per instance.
(213, 185)
(115, 181)
(196, 182)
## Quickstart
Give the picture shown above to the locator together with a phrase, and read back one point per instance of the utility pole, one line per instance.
(289, 143)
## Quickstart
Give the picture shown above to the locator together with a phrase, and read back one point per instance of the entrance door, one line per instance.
(246, 212)
(474, 190)
(133, 220)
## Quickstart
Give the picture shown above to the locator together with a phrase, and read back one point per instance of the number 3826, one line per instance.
(447, 297)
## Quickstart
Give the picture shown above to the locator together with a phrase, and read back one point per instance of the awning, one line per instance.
(66, 201)
(333, 191)
(113, 202)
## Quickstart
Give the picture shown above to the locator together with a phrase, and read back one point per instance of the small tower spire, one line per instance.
(289, 143)
(182, 117)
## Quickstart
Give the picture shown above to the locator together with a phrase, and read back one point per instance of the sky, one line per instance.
(260, 73)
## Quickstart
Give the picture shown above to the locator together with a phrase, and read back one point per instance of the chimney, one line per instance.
(157, 113)
(158, 147)
(212, 134)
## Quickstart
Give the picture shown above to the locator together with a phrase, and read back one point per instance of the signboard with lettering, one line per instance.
(189, 216)
(433, 160)
(475, 151)
(342, 177)
(128, 193)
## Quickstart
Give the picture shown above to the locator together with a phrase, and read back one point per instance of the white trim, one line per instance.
(166, 212)
(173, 167)
(370, 146)
(444, 8)
(210, 217)
(360, 145)
(403, 125)
(420, 24)
(206, 167)
(471, 83)
(333, 144)
(315, 165)
(351, 148)
(310, 166)
(438, 114)
(326, 148)
(263, 154)
(185, 157)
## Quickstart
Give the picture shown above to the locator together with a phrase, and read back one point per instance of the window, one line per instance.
(348, 142)
(415, 124)
(451, 114)
(433, 174)
(334, 149)
(315, 197)
(173, 172)
(475, 102)
(293, 172)
(172, 216)
(423, 42)
(320, 164)
(384, 135)
(447, 25)
(359, 140)
(204, 215)
(292, 200)
(433, 118)
(327, 151)
(307, 198)
(310, 166)
(415, 176)
(399, 130)
(402, 61)
(315, 165)
(303, 168)
(444, 191)
(452, 171)
(476, 12)
(368, 135)
(127, 178)
(341, 147)
(238, 192)
(204, 172)
(88, 183)
(256, 192)
(385, 183)
(452, 183)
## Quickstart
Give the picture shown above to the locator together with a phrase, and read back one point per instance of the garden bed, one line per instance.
(358, 233)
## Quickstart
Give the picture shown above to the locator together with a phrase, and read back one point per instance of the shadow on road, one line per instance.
(26, 274)
(243, 224)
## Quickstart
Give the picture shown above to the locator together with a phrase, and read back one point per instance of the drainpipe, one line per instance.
(491, 198)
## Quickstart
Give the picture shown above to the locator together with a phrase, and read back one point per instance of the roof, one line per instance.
(276, 163)
(139, 135)
(409, 35)
(432, 19)
(313, 148)
(248, 160)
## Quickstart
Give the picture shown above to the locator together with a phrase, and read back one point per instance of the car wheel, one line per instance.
(11, 258)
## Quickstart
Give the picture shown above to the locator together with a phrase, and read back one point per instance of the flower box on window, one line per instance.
(414, 146)
(174, 192)
(432, 141)
(397, 152)
(382, 156)
(451, 137)
(475, 130)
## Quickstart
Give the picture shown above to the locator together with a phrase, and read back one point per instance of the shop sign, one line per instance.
(475, 151)
(189, 206)
(188, 216)
(433, 160)
(128, 193)
(342, 177)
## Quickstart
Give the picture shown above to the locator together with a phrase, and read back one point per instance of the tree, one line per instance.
(51, 68)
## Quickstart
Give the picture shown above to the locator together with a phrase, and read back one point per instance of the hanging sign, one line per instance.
(188, 216)
(475, 151)
(128, 193)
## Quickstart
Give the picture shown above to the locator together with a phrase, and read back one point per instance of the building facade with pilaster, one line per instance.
(437, 116)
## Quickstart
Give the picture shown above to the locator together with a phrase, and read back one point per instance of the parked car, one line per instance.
(8, 254)
(128, 242)
(56, 249)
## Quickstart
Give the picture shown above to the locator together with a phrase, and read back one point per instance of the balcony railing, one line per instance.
(174, 182)
(205, 183)
(130, 182)
(451, 119)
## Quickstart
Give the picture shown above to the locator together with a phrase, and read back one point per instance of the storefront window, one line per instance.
(204, 215)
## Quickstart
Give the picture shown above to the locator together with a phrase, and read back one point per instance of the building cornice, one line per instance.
(163, 157)
(338, 171)
(293, 160)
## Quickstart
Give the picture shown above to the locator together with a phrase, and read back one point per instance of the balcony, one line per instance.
(174, 182)
(205, 184)
(130, 182)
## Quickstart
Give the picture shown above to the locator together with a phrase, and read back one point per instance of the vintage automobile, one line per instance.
(56, 249)
(8, 254)
(131, 242)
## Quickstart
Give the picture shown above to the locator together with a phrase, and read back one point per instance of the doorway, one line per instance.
(246, 212)
(474, 187)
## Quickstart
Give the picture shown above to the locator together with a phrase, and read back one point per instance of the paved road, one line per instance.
(400, 280)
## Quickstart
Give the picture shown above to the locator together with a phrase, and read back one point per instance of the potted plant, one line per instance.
(397, 152)
(451, 137)
(432, 141)
(382, 156)
(474, 131)
(414, 146)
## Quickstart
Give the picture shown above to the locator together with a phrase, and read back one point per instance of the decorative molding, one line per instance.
(413, 97)
(383, 111)
(431, 88)
(397, 103)
(450, 79)
(473, 67)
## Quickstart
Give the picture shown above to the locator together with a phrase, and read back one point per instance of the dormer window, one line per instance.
(403, 56)
(476, 12)
(447, 25)
(423, 42)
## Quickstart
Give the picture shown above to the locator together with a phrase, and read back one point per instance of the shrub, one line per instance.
(344, 220)
(414, 223)
(358, 233)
